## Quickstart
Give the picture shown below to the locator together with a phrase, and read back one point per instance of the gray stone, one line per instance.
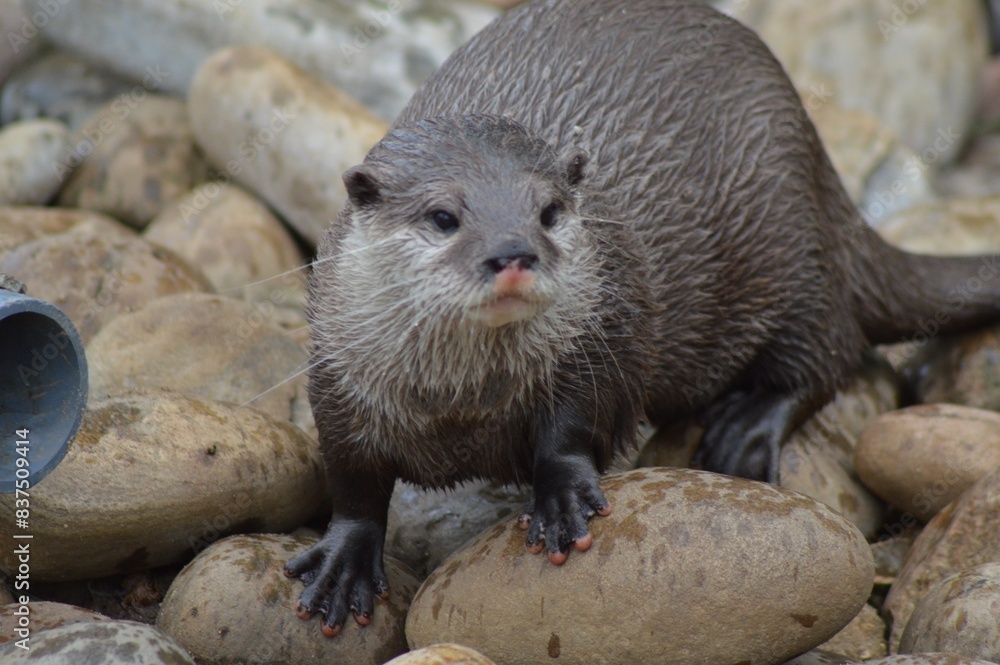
(29, 153)
(106, 642)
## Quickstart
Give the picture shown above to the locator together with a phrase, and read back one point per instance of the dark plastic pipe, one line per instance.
(43, 388)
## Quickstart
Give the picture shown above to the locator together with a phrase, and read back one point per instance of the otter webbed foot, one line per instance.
(565, 496)
(342, 572)
(744, 433)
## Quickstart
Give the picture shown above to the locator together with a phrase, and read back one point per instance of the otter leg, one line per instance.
(745, 429)
(565, 487)
(344, 570)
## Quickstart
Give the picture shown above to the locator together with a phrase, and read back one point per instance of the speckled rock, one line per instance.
(282, 133)
(442, 654)
(206, 609)
(818, 459)
(59, 86)
(92, 274)
(931, 54)
(28, 150)
(379, 51)
(964, 534)
(818, 657)
(960, 614)
(131, 158)
(203, 345)
(956, 226)
(862, 639)
(150, 478)
(928, 659)
(41, 616)
(682, 586)
(426, 526)
(21, 224)
(107, 643)
(960, 369)
(235, 241)
(882, 175)
(921, 458)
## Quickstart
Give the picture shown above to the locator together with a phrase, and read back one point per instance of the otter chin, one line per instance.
(632, 199)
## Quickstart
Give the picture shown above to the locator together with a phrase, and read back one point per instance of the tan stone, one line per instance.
(442, 654)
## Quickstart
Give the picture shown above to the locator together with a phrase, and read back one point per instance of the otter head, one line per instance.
(477, 208)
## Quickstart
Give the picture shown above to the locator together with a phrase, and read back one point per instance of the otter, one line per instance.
(592, 213)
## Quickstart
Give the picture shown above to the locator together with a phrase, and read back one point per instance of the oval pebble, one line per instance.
(285, 135)
(442, 654)
(672, 567)
(41, 615)
(106, 642)
(960, 614)
(928, 659)
(921, 458)
(233, 604)
(201, 345)
(150, 478)
(962, 535)
(22, 224)
(28, 149)
(92, 274)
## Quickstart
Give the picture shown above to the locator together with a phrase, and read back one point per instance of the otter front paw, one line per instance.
(342, 572)
(559, 510)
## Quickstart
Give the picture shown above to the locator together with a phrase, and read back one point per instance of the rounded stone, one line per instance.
(442, 654)
(41, 615)
(426, 526)
(958, 369)
(281, 133)
(59, 86)
(131, 158)
(93, 275)
(923, 457)
(862, 639)
(962, 535)
(233, 603)
(22, 224)
(927, 659)
(956, 226)
(202, 345)
(235, 241)
(673, 566)
(150, 478)
(105, 642)
(818, 459)
(28, 149)
(959, 614)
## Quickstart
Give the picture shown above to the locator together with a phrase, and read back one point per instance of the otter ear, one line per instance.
(363, 187)
(576, 162)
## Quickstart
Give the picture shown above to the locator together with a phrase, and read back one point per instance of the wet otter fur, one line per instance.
(592, 212)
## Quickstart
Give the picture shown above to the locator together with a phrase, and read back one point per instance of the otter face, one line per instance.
(475, 213)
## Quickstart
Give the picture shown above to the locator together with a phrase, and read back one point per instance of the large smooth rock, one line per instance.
(203, 345)
(92, 273)
(931, 54)
(377, 51)
(928, 659)
(442, 654)
(964, 534)
(921, 458)
(960, 614)
(132, 157)
(21, 41)
(21, 224)
(148, 479)
(233, 604)
(235, 241)
(59, 86)
(28, 150)
(284, 134)
(672, 567)
(106, 642)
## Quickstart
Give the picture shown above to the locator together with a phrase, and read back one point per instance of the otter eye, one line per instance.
(444, 221)
(550, 215)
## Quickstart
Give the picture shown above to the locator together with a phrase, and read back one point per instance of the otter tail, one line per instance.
(900, 296)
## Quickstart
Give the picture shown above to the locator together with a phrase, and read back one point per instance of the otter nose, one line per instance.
(512, 253)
